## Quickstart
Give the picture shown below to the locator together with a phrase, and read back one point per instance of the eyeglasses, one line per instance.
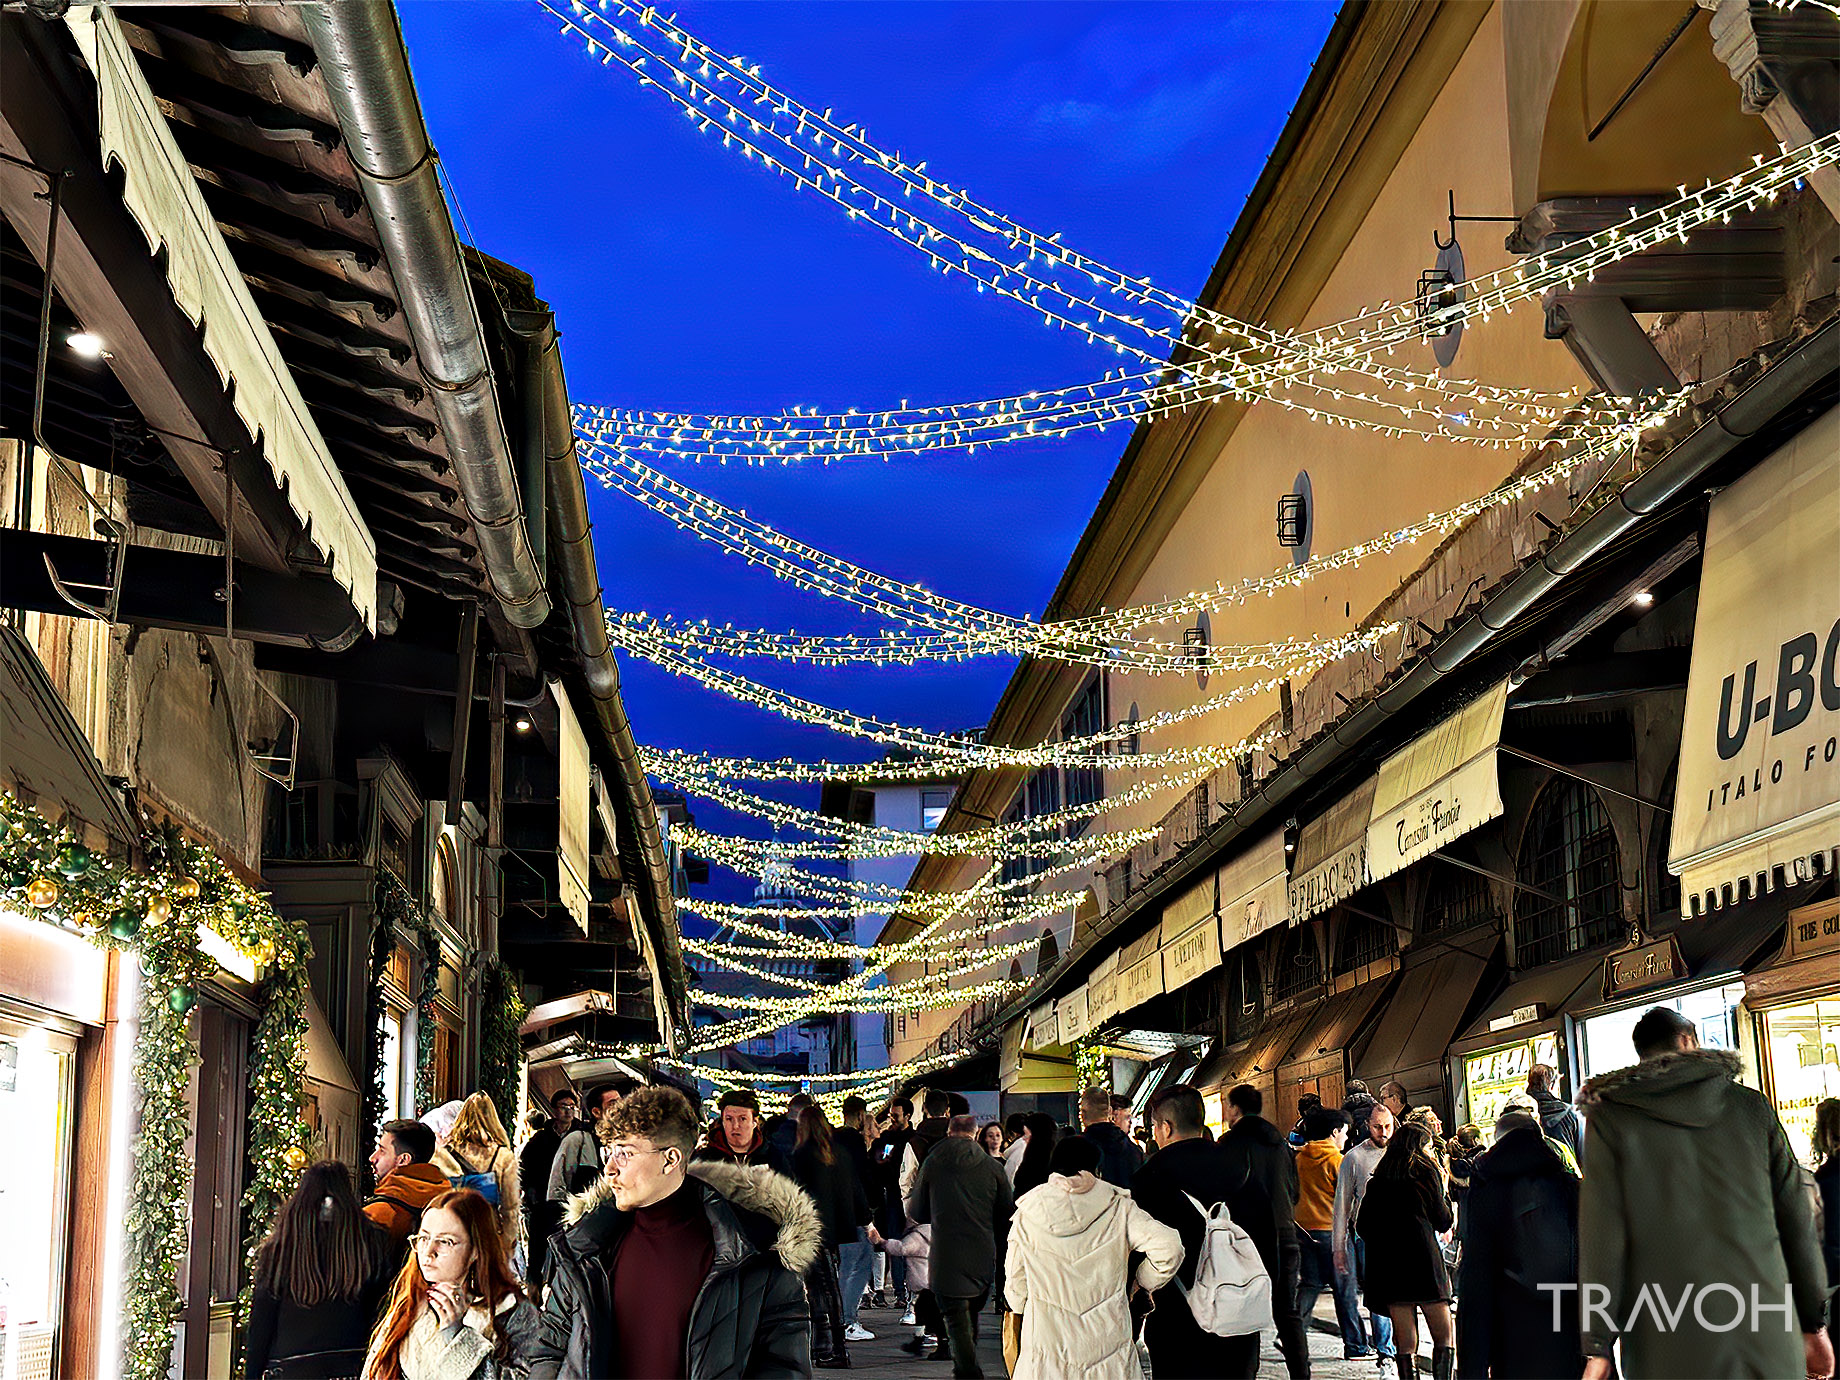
(618, 1155)
(435, 1245)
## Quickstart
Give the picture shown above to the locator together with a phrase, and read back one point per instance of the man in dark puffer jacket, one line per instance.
(669, 1268)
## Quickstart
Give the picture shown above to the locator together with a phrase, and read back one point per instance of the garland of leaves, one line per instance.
(500, 1050)
(157, 915)
(426, 1017)
(1092, 1064)
(390, 895)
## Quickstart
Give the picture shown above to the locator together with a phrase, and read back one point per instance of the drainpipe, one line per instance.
(1800, 369)
(360, 49)
(571, 549)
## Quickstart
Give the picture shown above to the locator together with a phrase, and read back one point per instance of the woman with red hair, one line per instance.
(456, 1311)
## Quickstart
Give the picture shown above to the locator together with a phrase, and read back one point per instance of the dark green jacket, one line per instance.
(1689, 1183)
(964, 1194)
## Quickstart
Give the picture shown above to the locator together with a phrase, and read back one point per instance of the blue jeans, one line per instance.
(1319, 1273)
(858, 1259)
(1378, 1319)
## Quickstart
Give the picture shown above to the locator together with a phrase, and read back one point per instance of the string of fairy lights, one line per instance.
(1342, 374)
(1088, 638)
(827, 160)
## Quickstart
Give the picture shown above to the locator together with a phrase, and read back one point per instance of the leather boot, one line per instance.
(1443, 1362)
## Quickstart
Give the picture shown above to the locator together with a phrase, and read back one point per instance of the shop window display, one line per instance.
(1495, 1075)
(1803, 1043)
(1606, 1040)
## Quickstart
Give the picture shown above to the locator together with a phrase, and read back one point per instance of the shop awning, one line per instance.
(1191, 955)
(1022, 1071)
(1438, 789)
(1252, 897)
(1758, 799)
(1333, 1024)
(161, 193)
(1073, 1015)
(1255, 1060)
(43, 750)
(1421, 1016)
(1534, 1000)
(1189, 909)
(574, 789)
(1332, 855)
(1102, 990)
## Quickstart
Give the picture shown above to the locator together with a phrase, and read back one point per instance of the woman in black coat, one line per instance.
(320, 1278)
(1402, 1214)
(1520, 1231)
(828, 1175)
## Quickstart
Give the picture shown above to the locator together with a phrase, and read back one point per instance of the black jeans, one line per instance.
(1292, 1340)
(961, 1315)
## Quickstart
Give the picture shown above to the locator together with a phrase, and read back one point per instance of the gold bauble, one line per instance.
(294, 1158)
(188, 888)
(265, 953)
(158, 909)
(42, 892)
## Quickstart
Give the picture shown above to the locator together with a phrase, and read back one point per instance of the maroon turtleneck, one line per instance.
(661, 1265)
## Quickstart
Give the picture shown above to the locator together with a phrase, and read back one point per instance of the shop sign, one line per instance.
(1191, 956)
(1813, 930)
(1642, 966)
(1102, 997)
(1331, 856)
(1140, 982)
(1252, 892)
(1073, 1015)
(1759, 784)
(1042, 1027)
(1520, 1015)
(1439, 788)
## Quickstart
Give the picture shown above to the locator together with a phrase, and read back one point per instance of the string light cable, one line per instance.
(908, 647)
(1079, 751)
(1304, 354)
(816, 571)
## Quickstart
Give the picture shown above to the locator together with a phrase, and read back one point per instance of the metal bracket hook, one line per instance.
(267, 762)
(116, 534)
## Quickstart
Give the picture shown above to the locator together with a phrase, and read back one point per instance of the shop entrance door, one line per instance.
(37, 1088)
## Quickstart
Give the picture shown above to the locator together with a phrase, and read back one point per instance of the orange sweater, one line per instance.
(1317, 1163)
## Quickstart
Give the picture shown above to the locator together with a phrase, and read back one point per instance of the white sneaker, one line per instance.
(1389, 1368)
(856, 1332)
(907, 1320)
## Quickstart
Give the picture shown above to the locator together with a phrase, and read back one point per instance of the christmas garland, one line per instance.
(427, 1019)
(157, 915)
(1092, 1064)
(500, 1050)
(383, 940)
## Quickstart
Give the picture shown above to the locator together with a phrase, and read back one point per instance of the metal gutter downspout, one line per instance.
(1815, 358)
(572, 550)
(360, 49)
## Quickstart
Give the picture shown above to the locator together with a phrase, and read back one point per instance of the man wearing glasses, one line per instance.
(668, 1268)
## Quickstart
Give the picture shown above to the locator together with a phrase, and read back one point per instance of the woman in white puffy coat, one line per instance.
(1069, 1247)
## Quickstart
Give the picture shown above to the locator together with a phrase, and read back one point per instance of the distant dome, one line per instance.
(776, 884)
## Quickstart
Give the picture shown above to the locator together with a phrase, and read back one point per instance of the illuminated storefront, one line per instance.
(1798, 998)
(1492, 1076)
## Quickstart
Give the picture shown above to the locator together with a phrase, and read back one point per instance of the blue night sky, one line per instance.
(684, 277)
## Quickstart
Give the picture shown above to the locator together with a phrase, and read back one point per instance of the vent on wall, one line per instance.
(1297, 518)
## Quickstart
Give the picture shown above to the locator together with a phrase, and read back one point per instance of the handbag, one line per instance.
(1012, 1340)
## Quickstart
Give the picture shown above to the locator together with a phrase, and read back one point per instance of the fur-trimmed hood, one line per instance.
(761, 1205)
(1688, 1087)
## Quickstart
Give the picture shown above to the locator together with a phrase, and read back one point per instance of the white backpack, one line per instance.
(1231, 1295)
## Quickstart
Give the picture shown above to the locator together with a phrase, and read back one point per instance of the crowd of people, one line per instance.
(632, 1235)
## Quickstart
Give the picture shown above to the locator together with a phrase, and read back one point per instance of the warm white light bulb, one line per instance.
(86, 344)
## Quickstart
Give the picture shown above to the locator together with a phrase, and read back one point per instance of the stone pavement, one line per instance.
(884, 1356)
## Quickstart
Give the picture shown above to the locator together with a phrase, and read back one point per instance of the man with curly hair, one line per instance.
(668, 1268)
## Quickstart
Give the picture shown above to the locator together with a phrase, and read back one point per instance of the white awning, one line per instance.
(1252, 897)
(163, 197)
(573, 786)
(1331, 860)
(1191, 955)
(1758, 790)
(1073, 1015)
(1189, 909)
(1438, 789)
(1102, 989)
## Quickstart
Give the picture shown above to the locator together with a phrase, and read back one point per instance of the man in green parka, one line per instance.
(1697, 1242)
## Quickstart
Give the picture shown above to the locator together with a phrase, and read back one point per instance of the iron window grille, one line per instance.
(1293, 519)
(1299, 964)
(1362, 941)
(1570, 854)
(1456, 900)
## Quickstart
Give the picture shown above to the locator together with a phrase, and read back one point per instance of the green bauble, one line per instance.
(73, 860)
(240, 909)
(124, 924)
(181, 999)
(18, 876)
